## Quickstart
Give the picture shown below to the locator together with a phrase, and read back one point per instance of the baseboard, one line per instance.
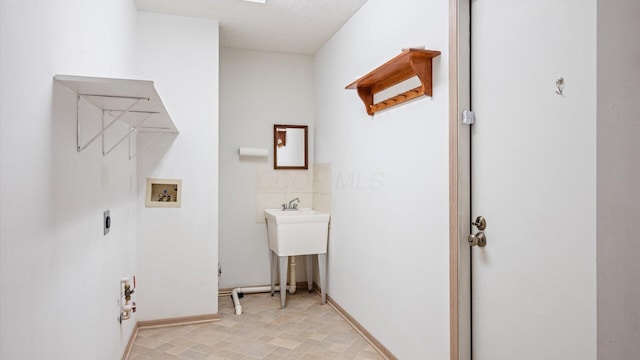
(132, 339)
(177, 321)
(375, 343)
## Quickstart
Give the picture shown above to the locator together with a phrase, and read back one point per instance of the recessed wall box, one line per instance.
(163, 193)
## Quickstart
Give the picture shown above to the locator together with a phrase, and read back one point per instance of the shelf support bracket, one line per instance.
(132, 129)
(422, 67)
(366, 95)
(135, 101)
(155, 136)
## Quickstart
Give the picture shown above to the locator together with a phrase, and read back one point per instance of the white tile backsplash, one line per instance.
(306, 199)
(322, 181)
(322, 202)
(276, 187)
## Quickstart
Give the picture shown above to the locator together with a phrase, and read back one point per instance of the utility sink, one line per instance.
(297, 232)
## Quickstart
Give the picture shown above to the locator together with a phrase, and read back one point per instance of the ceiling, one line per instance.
(291, 26)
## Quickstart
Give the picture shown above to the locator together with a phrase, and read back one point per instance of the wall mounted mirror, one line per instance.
(290, 147)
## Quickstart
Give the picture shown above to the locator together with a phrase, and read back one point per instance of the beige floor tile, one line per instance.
(193, 354)
(369, 355)
(339, 356)
(284, 343)
(305, 330)
(258, 349)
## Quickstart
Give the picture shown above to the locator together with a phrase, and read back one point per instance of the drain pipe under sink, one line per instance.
(249, 290)
(292, 275)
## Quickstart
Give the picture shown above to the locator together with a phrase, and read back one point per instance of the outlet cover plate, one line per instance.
(106, 223)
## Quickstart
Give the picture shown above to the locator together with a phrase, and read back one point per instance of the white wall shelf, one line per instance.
(135, 103)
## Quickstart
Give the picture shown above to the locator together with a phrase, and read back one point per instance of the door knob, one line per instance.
(478, 239)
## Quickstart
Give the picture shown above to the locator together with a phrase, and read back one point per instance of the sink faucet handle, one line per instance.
(284, 207)
(293, 206)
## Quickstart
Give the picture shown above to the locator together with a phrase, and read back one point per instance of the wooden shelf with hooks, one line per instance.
(410, 63)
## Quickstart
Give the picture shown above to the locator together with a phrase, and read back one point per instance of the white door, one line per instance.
(533, 179)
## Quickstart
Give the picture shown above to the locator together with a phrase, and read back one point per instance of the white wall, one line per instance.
(59, 273)
(257, 90)
(178, 248)
(389, 244)
(618, 177)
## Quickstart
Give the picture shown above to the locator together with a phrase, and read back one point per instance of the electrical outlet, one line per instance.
(106, 221)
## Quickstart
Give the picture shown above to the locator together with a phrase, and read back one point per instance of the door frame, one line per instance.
(459, 179)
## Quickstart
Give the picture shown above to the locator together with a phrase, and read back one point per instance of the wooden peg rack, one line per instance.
(410, 63)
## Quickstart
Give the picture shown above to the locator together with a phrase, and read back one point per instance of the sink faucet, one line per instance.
(291, 205)
(295, 206)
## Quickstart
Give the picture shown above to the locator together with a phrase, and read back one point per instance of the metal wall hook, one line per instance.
(560, 86)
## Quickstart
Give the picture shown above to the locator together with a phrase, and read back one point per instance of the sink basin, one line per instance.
(297, 232)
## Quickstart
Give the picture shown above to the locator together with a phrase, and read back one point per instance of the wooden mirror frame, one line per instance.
(275, 147)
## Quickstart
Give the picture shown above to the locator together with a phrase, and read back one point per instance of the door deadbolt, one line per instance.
(479, 239)
(480, 223)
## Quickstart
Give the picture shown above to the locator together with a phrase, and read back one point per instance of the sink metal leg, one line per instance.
(274, 271)
(322, 267)
(310, 273)
(284, 264)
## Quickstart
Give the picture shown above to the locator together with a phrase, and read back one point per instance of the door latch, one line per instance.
(480, 223)
(468, 117)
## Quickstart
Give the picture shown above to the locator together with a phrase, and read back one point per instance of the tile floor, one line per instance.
(304, 330)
